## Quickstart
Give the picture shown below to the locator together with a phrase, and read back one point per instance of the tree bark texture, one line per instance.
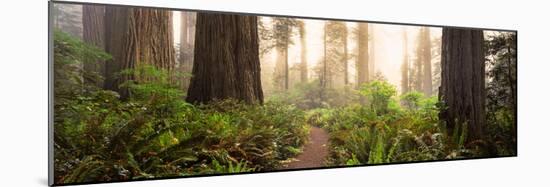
(136, 37)
(226, 63)
(463, 81)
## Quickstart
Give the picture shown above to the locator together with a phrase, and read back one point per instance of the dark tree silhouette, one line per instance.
(463, 81)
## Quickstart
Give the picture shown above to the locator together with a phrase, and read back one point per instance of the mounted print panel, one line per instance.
(141, 93)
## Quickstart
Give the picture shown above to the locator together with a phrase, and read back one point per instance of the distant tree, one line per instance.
(405, 85)
(227, 63)
(93, 34)
(345, 57)
(436, 56)
(337, 53)
(282, 36)
(427, 62)
(421, 78)
(362, 63)
(324, 69)
(68, 18)
(303, 52)
(462, 90)
(417, 68)
(372, 52)
(187, 36)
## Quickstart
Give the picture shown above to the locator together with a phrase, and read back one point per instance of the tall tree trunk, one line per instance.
(405, 66)
(183, 50)
(323, 78)
(227, 63)
(116, 26)
(303, 53)
(345, 57)
(463, 81)
(418, 79)
(362, 53)
(372, 53)
(93, 33)
(135, 37)
(427, 64)
(286, 59)
(279, 74)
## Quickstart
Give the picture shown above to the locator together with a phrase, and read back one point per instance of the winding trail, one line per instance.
(314, 152)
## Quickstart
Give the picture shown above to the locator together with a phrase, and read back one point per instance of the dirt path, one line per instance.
(314, 152)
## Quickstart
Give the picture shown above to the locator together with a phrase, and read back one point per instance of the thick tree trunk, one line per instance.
(362, 65)
(463, 81)
(93, 33)
(427, 64)
(116, 26)
(303, 53)
(135, 37)
(227, 63)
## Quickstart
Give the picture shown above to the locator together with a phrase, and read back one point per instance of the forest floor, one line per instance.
(314, 153)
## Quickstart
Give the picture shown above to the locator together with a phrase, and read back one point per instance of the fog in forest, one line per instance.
(143, 93)
(386, 47)
(388, 56)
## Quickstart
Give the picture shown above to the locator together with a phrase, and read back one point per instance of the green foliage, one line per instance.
(379, 94)
(502, 91)
(411, 100)
(70, 54)
(192, 140)
(155, 133)
(363, 135)
(237, 168)
(152, 132)
(308, 96)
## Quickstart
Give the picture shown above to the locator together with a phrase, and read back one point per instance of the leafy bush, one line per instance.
(311, 96)
(379, 94)
(411, 100)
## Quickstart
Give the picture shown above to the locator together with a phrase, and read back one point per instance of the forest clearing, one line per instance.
(145, 93)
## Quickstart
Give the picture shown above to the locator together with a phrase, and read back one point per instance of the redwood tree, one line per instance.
(303, 52)
(427, 64)
(226, 63)
(134, 37)
(463, 81)
(362, 63)
(93, 33)
(405, 84)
